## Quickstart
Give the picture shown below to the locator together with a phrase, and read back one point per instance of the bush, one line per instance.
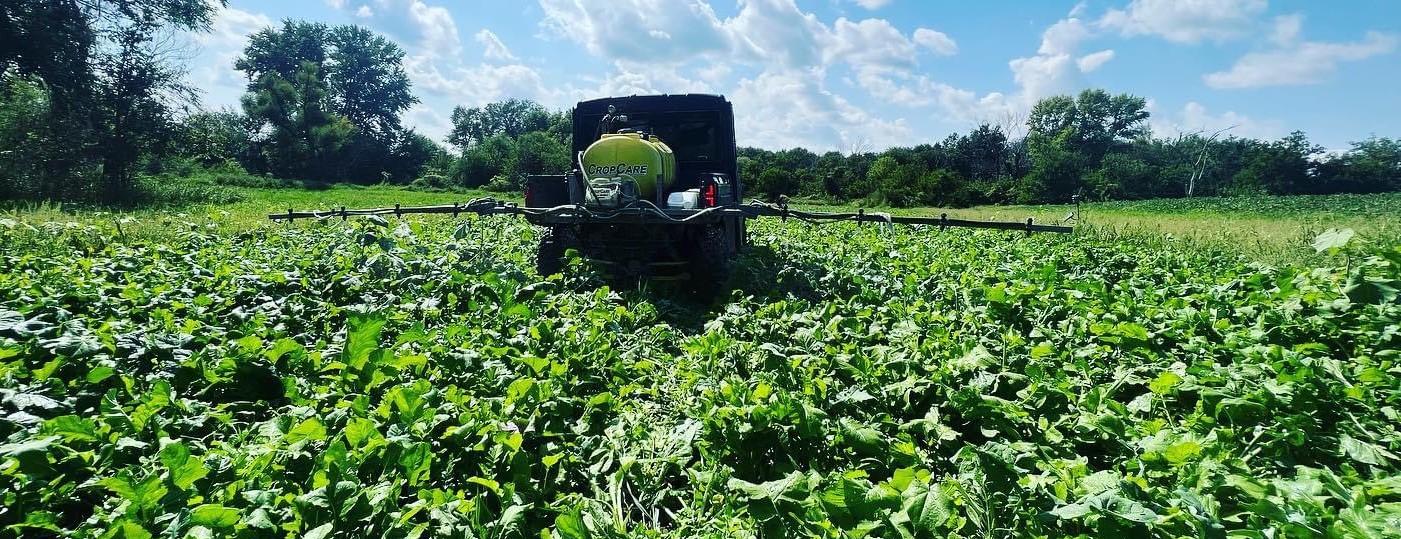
(168, 191)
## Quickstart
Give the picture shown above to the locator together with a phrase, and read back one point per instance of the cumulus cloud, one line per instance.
(660, 29)
(1054, 67)
(220, 46)
(1185, 21)
(1195, 118)
(1293, 62)
(872, 4)
(1094, 60)
(476, 85)
(763, 32)
(1287, 29)
(428, 121)
(429, 28)
(786, 109)
(231, 28)
(936, 41)
(493, 48)
(783, 99)
(1063, 37)
(869, 42)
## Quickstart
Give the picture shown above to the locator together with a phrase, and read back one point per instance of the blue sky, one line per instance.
(868, 74)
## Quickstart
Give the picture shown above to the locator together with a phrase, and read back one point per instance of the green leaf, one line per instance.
(310, 429)
(360, 430)
(488, 483)
(128, 530)
(214, 515)
(184, 470)
(1365, 452)
(1332, 239)
(73, 428)
(320, 532)
(362, 338)
(1071, 511)
(1164, 382)
(928, 508)
(1179, 453)
(570, 526)
(145, 494)
(1368, 290)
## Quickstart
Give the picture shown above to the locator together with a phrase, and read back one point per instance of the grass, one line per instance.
(1275, 230)
(1268, 229)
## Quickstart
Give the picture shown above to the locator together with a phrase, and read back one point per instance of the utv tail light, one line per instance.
(708, 195)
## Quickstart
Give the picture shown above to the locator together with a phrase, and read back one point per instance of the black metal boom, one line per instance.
(646, 212)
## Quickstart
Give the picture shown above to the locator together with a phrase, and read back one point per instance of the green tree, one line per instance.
(1055, 169)
(211, 138)
(512, 118)
(1095, 121)
(538, 153)
(495, 156)
(1282, 167)
(366, 81)
(304, 135)
(360, 79)
(108, 86)
(1370, 166)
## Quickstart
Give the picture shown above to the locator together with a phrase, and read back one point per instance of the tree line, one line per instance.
(1095, 146)
(93, 101)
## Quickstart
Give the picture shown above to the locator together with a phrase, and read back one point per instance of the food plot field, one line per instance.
(415, 378)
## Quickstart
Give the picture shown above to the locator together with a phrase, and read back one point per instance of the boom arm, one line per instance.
(644, 211)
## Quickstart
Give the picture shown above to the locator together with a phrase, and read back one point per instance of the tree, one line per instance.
(214, 137)
(1370, 166)
(367, 82)
(512, 118)
(1095, 120)
(984, 150)
(360, 79)
(109, 84)
(1282, 167)
(304, 135)
(1055, 169)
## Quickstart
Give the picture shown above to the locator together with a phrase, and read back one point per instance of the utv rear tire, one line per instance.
(710, 263)
(549, 254)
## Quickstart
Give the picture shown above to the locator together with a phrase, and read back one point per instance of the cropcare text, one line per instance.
(618, 169)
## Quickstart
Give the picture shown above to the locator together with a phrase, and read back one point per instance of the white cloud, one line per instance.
(1185, 21)
(223, 44)
(428, 122)
(1063, 37)
(413, 23)
(231, 28)
(869, 42)
(786, 109)
(1287, 29)
(936, 41)
(763, 32)
(477, 85)
(1295, 62)
(1195, 118)
(873, 4)
(494, 49)
(1053, 69)
(1094, 60)
(659, 30)
(786, 101)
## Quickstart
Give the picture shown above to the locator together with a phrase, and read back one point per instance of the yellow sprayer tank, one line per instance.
(619, 158)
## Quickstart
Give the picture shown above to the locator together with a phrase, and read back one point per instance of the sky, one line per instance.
(854, 75)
